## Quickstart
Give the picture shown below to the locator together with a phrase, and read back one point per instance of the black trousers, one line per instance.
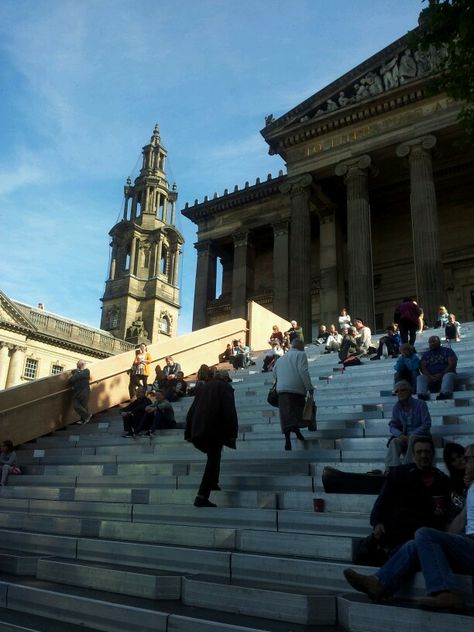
(408, 328)
(210, 478)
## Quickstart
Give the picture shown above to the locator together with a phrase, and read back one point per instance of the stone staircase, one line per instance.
(100, 533)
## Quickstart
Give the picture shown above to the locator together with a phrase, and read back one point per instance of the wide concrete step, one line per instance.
(124, 580)
(309, 606)
(14, 621)
(357, 615)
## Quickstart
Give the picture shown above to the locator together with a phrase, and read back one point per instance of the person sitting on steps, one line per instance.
(438, 371)
(439, 553)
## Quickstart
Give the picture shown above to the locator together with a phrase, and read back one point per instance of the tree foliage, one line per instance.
(450, 24)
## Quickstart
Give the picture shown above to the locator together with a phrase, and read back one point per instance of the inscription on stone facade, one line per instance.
(391, 122)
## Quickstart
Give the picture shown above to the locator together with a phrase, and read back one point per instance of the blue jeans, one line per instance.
(447, 383)
(439, 554)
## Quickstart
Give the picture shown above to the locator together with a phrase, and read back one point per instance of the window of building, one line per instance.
(163, 262)
(113, 319)
(31, 369)
(165, 325)
(56, 368)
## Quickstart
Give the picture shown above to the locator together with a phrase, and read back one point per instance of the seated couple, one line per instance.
(148, 413)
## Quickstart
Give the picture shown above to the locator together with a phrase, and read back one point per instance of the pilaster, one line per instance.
(299, 293)
(205, 282)
(280, 267)
(328, 294)
(4, 364)
(241, 273)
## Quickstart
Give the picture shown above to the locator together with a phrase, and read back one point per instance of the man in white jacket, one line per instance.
(292, 383)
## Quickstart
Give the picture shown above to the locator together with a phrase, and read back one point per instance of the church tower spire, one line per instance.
(141, 298)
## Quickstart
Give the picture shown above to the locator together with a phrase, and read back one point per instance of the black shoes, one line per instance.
(445, 396)
(424, 396)
(375, 357)
(199, 501)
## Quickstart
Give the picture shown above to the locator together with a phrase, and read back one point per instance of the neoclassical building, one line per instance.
(377, 203)
(141, 299)
(35, 343)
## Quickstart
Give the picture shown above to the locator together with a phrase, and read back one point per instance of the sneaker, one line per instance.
(368, 584)
(86, 421)
(203, 502)
(127, 435)
(375, 357)
(79, 423)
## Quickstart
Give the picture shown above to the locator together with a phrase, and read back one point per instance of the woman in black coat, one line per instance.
(211, 423)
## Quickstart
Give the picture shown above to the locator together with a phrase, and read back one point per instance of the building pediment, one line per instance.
(11, 316)
(392, 68)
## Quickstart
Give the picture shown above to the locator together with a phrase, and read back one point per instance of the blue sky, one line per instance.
(83, 83)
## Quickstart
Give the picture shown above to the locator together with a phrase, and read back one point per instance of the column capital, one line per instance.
(326, 214)
(203, 247)
(297, 185)
(281, 227)
(241, 238)
(354, 167)
(416, 147)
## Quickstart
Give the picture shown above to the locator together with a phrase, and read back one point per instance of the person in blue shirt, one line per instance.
(438, 371)
(410, 419)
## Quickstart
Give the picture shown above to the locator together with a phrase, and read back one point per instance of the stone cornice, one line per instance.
(234, 200)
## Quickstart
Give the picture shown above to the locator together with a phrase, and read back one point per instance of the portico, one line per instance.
(376, 205)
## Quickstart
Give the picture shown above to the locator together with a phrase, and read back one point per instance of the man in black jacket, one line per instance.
(211, 423)
(414, 495)
(79, 381)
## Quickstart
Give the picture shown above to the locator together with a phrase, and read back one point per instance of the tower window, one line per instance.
(56, 368)
(165, 325)
(113, 319)
(164, 258)
(127, 261)
(31, 369)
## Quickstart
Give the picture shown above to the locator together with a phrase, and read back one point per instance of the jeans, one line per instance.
(438, 553)
(447, 383)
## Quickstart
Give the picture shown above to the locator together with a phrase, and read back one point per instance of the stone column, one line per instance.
(241, 274)
(17, 362)
(359, 239)
(280, 268)
(328, 295)
(205, 288)
(429, 277)
(4, 364)
(133, 246)
(299, 291)
(176, 265)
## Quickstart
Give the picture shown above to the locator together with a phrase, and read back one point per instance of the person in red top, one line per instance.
(407, 316)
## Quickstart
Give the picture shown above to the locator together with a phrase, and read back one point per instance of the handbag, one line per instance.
(309, 413)
(272, 397)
